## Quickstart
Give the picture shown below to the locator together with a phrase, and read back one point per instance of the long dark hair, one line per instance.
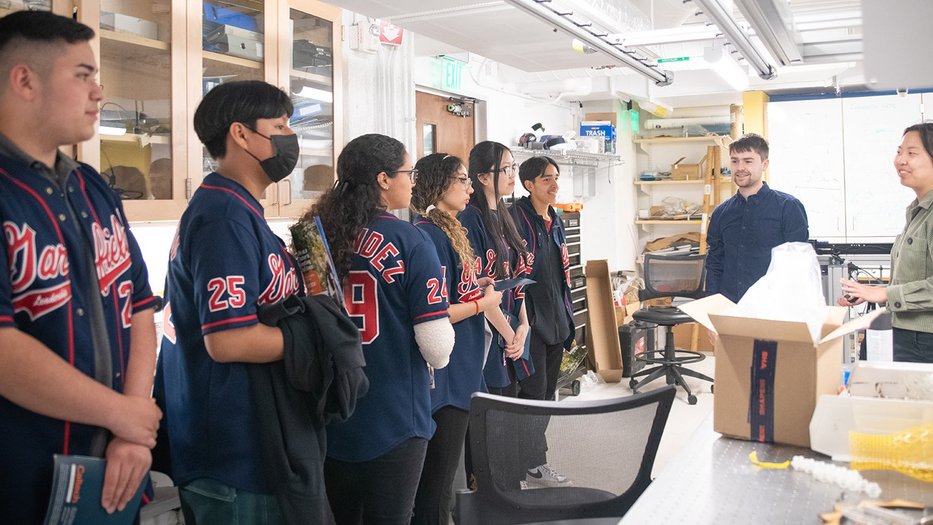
(355, 199)
(485, 157)
(435, 175)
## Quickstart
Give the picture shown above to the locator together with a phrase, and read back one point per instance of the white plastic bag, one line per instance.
(791, 290)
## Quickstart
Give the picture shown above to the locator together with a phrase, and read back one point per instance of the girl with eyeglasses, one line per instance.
(392, 281)
(442, 191)
(502, 254)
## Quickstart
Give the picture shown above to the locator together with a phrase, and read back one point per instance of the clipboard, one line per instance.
(506, 284)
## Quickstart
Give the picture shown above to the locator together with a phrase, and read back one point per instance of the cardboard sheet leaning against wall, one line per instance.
(602, 333)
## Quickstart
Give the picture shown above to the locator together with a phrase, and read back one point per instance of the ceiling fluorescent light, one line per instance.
(736, 36)
(765, 18)
(586, 34)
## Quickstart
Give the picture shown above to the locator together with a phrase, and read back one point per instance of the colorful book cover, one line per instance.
(317, 266)
(77, 485)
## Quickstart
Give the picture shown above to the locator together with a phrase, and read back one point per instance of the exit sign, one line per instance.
(453, 70)
(674, 59)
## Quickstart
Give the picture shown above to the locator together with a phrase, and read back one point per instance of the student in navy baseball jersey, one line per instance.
(224, 263)
(394, 288)
(496, 240)
(442, 191)
(77, 338)
(547, 300)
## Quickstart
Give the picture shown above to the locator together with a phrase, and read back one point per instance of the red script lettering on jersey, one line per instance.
(111, 253)
(26, 267)
(381, 255)
(284, 281)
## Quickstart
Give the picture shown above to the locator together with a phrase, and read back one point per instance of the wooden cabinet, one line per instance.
(158, 58)
(703, 193)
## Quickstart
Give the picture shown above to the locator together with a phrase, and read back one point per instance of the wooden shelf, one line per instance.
(320, 79)
(675, 140)
(722, 180)
(668, 221)
(138, 138)
(131, 39)
(228, 59)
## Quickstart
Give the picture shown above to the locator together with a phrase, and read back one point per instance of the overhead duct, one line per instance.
(595, 38)
(736, 36)
(770, 27)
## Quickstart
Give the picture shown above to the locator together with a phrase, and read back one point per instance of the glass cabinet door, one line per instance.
(136, 111)
(234, 46)
(9, 6)
(309, 54)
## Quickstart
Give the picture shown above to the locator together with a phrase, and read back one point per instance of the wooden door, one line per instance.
(442, 131)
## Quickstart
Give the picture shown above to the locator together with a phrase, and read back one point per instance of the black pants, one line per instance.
(435, 490)
(378, 491)
(913, 346)
(546, 358)
(540, 385)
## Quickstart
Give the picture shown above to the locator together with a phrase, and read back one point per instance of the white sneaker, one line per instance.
(545, 476)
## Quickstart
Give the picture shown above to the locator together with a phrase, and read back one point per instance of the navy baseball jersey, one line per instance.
(52, 235)
(455, 383)
(395, 282)
(500, 370)
(223, 264)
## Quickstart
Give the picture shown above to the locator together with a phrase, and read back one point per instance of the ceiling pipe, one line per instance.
(595, 39)
(768, 23)
(736, 36)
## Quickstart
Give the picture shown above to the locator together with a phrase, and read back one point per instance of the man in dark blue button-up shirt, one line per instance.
(744, 228)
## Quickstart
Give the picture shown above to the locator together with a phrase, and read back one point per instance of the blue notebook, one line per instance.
(77, 484)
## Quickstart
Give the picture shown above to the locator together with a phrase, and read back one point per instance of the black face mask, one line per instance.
(284, 158)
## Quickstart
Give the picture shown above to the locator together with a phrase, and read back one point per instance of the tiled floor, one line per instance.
(684, 418)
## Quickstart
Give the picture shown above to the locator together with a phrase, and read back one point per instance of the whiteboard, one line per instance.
(806, 139)
(875, 198)
(836, 156)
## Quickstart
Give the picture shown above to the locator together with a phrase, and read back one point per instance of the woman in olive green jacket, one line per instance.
(909, 295)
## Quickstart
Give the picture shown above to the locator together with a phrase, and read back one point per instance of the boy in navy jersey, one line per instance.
(224, 264)
(77, 338)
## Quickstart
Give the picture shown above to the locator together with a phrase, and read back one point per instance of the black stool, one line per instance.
(669, 276)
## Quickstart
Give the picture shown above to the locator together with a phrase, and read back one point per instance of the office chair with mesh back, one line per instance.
(605, 449)
(669, 276)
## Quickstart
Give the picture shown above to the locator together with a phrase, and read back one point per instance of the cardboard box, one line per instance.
(803, 370)
(684, 171)
(602, 332)
(624, 313)
(683, 333)
(601, 129)
(129, 24)
(611, 117)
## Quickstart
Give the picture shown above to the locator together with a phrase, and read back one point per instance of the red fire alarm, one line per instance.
(390, 34)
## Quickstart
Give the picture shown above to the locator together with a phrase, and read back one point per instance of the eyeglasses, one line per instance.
(511, 171)
(465, 181)
(412, 174)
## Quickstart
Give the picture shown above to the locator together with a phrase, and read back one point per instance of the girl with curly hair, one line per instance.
(392, 283)
(442, 191)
